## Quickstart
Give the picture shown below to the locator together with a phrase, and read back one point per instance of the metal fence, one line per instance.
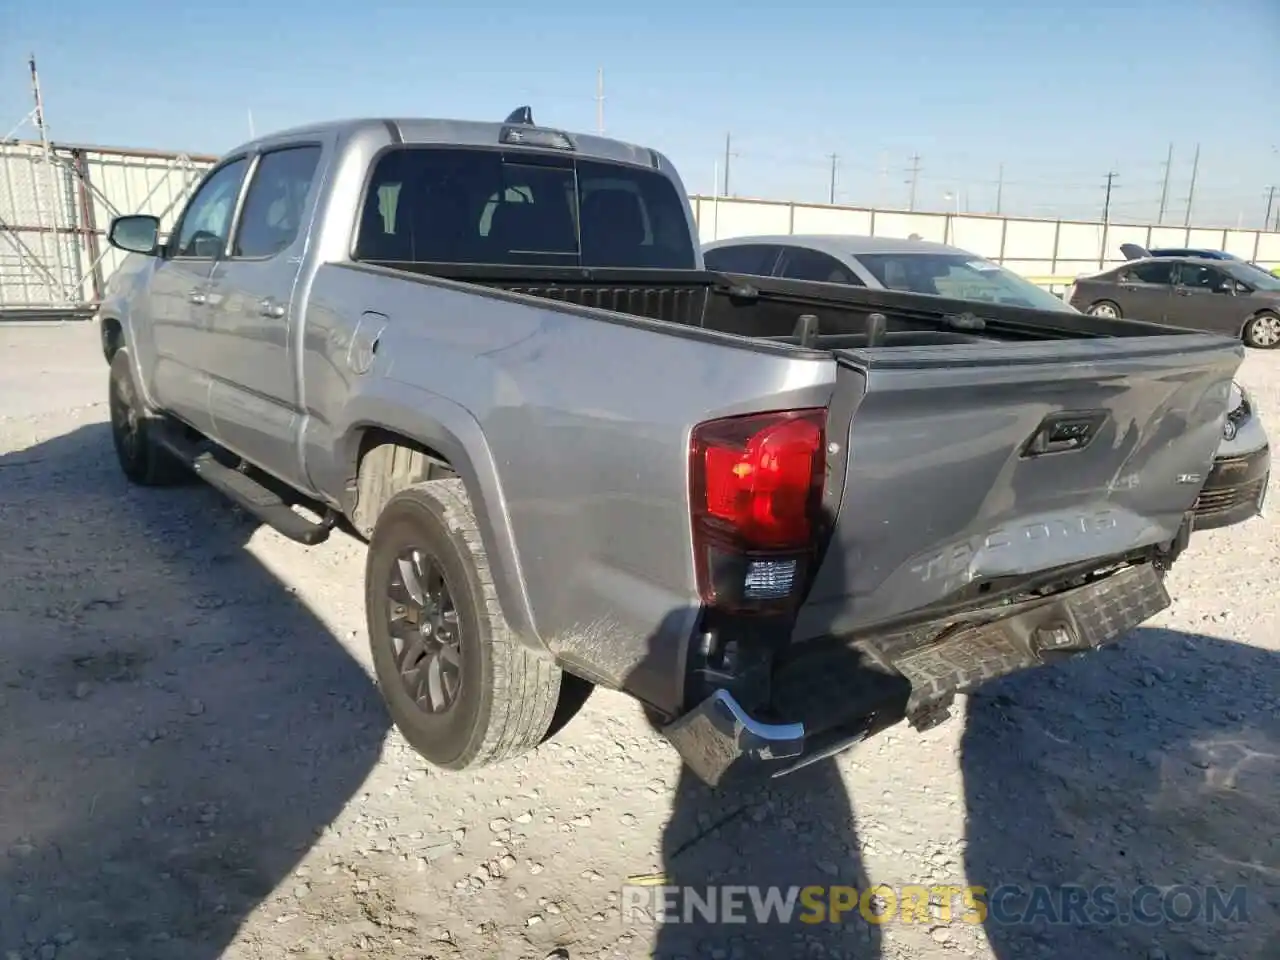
(56, 203)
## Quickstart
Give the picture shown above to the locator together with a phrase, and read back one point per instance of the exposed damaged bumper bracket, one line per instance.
(719, 732)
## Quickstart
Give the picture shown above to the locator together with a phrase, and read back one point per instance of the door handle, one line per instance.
(269, 308)
(197, 297)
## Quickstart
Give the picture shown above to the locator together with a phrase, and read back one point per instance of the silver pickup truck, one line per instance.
(782, 515)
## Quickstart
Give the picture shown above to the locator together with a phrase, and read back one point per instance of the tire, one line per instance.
(1263, 331)
(482, 696)
(141, 460)
(1105, 308)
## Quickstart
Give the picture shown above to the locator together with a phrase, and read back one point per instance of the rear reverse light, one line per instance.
(756, 492)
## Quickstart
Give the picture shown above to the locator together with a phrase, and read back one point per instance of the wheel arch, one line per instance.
(111, 330)
(446, 435)
(1261, 311)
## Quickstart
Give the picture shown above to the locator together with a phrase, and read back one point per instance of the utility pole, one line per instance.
(1106, 203)
(1191, 194)
(914, 181)
(600, 100)
(46, 148)
(1271, 199)
(835, 159)
(728, 139)
(38, 115)
(1164, 191)
(1000, 190)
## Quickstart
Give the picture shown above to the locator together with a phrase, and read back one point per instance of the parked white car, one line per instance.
(879, 263)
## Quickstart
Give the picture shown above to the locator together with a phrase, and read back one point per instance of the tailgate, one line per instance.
(966, 465)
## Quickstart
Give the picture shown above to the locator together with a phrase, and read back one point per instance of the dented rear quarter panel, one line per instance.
(570, 428)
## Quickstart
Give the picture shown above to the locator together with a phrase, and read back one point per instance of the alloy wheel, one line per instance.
(423, 626)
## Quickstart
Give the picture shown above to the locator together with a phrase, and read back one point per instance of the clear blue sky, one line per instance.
(1059, 93)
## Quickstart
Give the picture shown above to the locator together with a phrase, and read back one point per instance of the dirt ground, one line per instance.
(194, 761)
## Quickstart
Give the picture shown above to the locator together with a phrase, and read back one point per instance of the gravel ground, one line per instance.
(195, 762)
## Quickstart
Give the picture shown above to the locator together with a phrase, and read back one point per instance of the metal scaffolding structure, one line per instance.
(56, 201)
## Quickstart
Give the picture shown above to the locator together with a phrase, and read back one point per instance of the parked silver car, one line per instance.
(1236, 485)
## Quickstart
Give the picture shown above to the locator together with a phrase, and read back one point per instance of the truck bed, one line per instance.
(770, 308)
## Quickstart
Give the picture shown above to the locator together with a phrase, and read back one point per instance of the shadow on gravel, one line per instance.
(1129, 782)
(177, 727)
(790, 833)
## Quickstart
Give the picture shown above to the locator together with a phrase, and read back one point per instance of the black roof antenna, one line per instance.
(521, 115)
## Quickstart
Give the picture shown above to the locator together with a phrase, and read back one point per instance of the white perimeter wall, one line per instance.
(1042, 249)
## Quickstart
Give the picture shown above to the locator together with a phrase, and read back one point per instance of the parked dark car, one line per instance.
(1133, 251)
(1213, 296)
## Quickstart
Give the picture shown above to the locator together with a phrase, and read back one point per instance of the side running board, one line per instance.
(246, 492)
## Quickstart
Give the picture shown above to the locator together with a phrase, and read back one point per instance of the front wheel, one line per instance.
(1263, 331)
(1105, 309)
(458, 683)
(142, 461)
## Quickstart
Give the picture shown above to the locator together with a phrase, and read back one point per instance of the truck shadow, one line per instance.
(1138, 782)
(178, 727)
(779, 835)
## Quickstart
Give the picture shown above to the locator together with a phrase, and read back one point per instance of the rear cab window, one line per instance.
(517, 208)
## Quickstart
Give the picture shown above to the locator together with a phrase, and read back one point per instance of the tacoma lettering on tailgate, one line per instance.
(955, 559)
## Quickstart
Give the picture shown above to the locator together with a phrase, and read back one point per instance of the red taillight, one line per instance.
(756, 486)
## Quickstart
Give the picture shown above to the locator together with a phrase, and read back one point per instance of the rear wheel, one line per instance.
(132, 431)
(1263, 331)
(459, 685)
(1105, 309)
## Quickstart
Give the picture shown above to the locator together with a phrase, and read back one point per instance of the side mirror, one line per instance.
(137, 233)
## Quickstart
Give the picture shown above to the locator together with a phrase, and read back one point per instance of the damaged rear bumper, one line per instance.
(719, 734)
(834, 699)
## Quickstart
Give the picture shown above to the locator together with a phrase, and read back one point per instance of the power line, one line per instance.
(914, 181)
(1191, 193)
(600, 100)
(727, 154)
(1106, 203)
(1164, 191)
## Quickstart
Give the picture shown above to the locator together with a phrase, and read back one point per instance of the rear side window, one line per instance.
(801, 263)
(276, 201)
(521, 209)
(1154, 272)
(755, 259)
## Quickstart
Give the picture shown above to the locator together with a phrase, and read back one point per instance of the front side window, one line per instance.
(472, 206)
(958, 277)
(202, 235)
(276, 200)
(1199, 277)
